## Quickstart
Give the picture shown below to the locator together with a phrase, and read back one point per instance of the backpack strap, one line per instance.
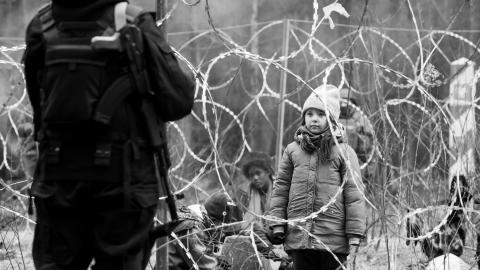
(118, 91)
(45, 16)
(122, 87)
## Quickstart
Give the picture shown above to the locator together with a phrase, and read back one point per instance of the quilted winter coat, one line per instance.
(304, 185)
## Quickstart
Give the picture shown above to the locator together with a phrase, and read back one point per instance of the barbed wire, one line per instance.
(212, 113)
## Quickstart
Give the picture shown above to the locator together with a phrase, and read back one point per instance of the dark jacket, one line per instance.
(131, 156)
(38, 75)
(93, 172)
(305, 186)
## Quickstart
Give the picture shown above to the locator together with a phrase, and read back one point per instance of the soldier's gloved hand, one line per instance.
(278, 236)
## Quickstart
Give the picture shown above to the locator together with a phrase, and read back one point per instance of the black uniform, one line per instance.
(95, 187)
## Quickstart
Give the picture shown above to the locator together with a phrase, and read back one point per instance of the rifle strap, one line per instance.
(115, 94)
(121, 88)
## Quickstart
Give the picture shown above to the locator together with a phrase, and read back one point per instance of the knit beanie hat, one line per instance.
(324, 94)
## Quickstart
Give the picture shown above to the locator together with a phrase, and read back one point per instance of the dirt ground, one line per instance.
(400, 256)
(16, 250)
(15, 254)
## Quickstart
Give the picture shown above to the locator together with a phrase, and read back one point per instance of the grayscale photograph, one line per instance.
(239, 135)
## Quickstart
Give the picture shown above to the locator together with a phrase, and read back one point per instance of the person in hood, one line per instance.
(319, 189)
(95, 184)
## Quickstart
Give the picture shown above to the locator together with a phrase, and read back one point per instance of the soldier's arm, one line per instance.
(176, 97)
(33, 60)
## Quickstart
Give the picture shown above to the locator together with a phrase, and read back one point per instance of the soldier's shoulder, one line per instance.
(43, 15)
(45, 8)
(36, 26)
(42, 21)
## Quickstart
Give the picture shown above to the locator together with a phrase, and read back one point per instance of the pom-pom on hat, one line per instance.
(330, 96)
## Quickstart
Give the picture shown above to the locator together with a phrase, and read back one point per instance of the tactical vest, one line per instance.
(77, 78)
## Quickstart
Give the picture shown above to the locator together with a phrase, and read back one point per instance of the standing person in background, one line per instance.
(313, 169)
(358, 128)
(254, 195)
(102, 81)
(359, 135)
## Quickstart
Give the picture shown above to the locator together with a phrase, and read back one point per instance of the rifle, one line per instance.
(132, 43)
(129, 39)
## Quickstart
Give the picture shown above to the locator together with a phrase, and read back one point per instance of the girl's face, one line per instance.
(315, 120)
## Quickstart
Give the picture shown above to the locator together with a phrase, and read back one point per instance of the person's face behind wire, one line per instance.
(259, 177)
(315, 120)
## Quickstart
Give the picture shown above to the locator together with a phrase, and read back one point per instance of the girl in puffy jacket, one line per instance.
(319, 189)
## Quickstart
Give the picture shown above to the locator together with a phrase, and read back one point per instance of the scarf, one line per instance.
(258, 204)
(322, 142)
